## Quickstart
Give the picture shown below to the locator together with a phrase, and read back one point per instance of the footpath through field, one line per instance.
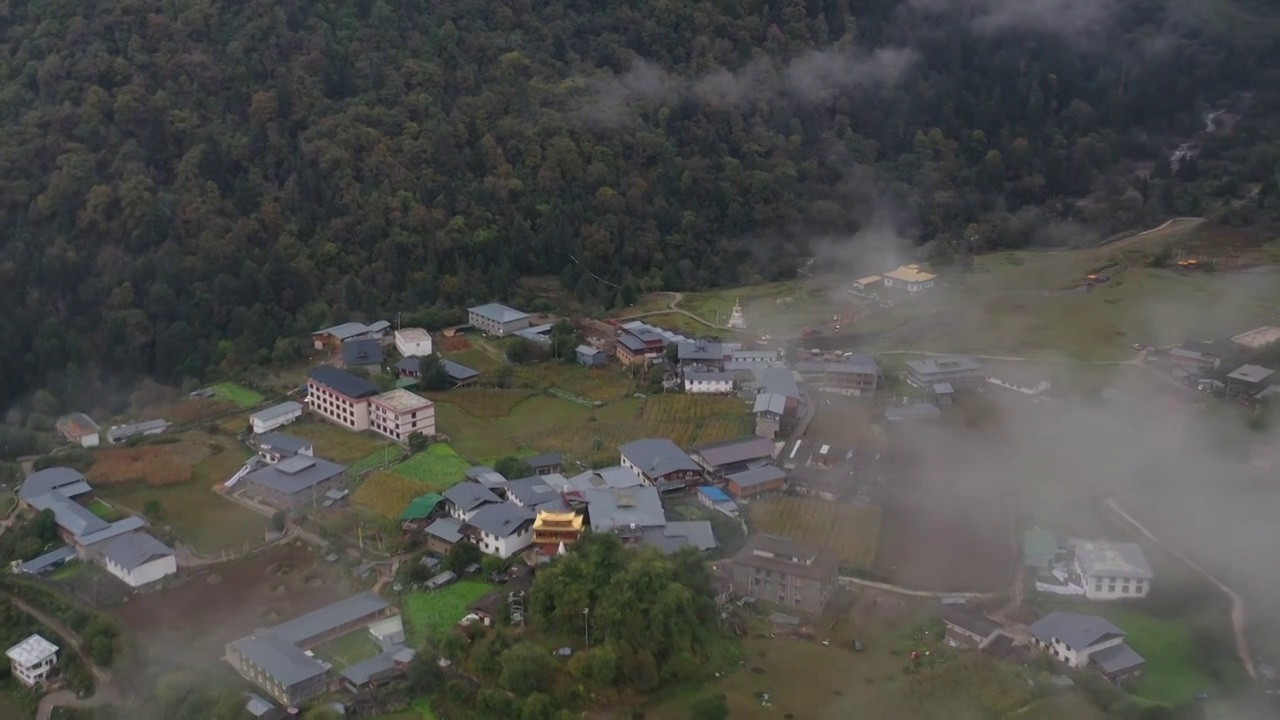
(673, 307)
(1237, 602)
(849, 579)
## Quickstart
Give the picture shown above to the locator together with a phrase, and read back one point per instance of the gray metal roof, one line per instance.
(1108, 559)
(502, 519)
(69, 515)
(729, 452)
(587, 350)
(361, 352)
(295, 474)
(498, 312)
(1117, 658)
(363, 671)
(275, 411)
(352, 329)
(611, 477)
(854, 365)
(457, 372)
(409, 364)
(770, 402)
(53, 557)
(1076, 630)
(343, 382)
(697, 533)
(534, 335)
(258, 705)
(469, 496)
(631, 343)
(282, 660)
(780, 380)
(1190, 354)
(757, 476)
(657, 456)
(42, 481)
(123, 432)
(317, 622)
(667, 336)
(943, 388)
(1250, 373)
(544, 460)
(698, 350)
(613, 508)
(531, 492)
(447, 529)
(282, 443)
(944, 366)
(132, 550)
(485, 475)
(968, 621)
(118, 527)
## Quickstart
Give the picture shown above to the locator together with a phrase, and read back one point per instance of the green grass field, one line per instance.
(68, 570)
(1170, 674)
(238, 394)
(208, 523)
(437, 468)
(476, 358)
(103, 510)
(602, 384)
(421, 710)
(356, 646)
(685, 325)
(432, 613)
(338, 444)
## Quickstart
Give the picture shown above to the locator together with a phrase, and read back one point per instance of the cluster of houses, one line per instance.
(122, 547)
(1203, 365)
(80, 429)
(1085, 568)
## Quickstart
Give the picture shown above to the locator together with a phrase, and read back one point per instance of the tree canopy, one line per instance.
(190, 188)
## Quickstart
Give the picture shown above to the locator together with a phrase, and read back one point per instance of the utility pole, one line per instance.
(586, 625)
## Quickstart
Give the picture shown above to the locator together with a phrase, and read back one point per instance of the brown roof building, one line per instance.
(777, 570)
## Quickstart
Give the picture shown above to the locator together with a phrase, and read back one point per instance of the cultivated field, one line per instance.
(602, 384)
(237, 394)
(486, 360)
(685, 325)
(851, 531)
(430, 614)
(387, 494)
(338, 444)
(483, 402)
(437, 468)
(155, 465)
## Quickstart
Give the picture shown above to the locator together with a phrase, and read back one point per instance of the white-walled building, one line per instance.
(501, 529)
(340, 396)
(1082, 641)
(1112, 571)
(413, 342)
(139, 559)
(277, 416)
(32, 660)
(708, 382)
(80, 429)
(910, 278)
(399, 413)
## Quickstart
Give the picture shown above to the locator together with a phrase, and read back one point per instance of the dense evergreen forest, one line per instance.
(189, 186)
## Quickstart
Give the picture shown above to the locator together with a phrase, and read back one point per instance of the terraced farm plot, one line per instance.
(437, 468)
(338, 444)
(387, 494)
(483, 402)
(851, 531)
(602, 384)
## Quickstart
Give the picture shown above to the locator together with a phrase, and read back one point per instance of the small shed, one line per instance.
(441, 580)
(590, 356)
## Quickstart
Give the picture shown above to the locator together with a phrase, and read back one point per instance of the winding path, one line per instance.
(1237, 602)
(899, 590)
(673, 307)
(105, 693)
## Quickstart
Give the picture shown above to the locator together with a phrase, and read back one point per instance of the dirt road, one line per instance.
(846, 579)
(1237, 603)
(673, 307)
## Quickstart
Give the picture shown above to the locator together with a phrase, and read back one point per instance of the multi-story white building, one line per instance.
(501, 529)
(32, 660)
(1112, 571)
(340, 396)
(276, 416)
(1081, 641)
(708, 382)
(413, 342)
(400, 413)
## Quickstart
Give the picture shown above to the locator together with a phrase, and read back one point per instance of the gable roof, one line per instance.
(1076, 630)
(421, 506)
(675, 536)
(531, 492)
(70, 516)
(1250, 373)
(275, 411)
(317, 622)
(544, 460)
(698, 350)
(469, 496)
(501, 519)
(341, 381)
(729, 452)
(587, 350)
(779, 554)
(485, 475)
(295, 474)
(457, 372)
(42, 481)
(780, 380)
(132, 550)
(1108, 559)
(362, 352)
(1116, 658)
(771, 403)
(610, 477)
(632, 343)
(352, 329)
(279, 658)
(757, 476)
(280, 442)
(447, 529)
(498, 312)
(614, 508)
(119, 527)
(949, 364)
(657, 456)
(969, 622)
(852, 365)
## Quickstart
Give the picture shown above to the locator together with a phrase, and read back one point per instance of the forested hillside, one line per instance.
(188, 185)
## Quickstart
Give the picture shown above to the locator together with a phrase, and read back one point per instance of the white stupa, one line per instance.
(736, 319)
